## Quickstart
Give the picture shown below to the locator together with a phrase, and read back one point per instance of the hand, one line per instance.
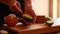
(16, 8)
(24, 22)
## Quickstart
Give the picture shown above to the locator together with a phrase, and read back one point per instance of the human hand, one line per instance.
(25, 22)
(16, 8)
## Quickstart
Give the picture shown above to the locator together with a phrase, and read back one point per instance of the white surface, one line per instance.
(16, 24)
(19, 23)
(56, 22)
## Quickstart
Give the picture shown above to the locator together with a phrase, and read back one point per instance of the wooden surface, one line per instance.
(40, 19)
(34, 29)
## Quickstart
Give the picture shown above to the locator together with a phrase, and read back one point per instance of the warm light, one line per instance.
(55, 9)
(41, 7)
(33, 2)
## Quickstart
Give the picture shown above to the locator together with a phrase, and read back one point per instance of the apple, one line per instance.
(11, 20)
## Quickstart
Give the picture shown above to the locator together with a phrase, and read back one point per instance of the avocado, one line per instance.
(48, 21)
(28, 18)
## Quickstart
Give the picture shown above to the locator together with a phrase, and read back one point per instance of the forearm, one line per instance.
(8, 2)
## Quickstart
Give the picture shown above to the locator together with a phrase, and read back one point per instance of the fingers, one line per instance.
(18, 4)
(16, 8)
(25, 22)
